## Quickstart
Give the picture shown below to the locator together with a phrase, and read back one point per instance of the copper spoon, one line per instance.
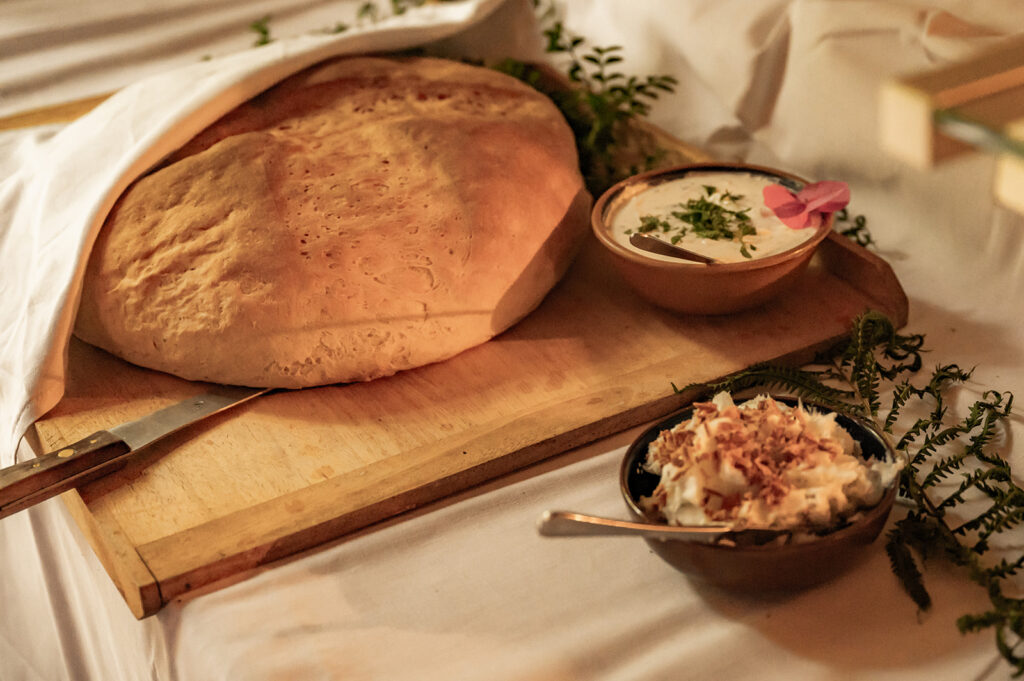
(656, 245)
(570, 524)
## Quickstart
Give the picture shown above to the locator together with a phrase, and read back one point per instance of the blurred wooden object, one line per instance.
(929, 117)
(1009, 182)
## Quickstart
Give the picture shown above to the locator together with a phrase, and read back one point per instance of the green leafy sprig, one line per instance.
(602, 103)
(854, 227)
(369, 11)
(963, 493)
(262, 29)
(372, 12)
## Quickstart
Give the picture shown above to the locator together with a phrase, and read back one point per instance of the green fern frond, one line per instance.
(913, 434)
(973, 623)
(977, 480)
(804, 384)
(1009, 650)
(1005, 568)
(905, 567)
(944, 468)
(1006, 519)
(983, 519)
(901, 394)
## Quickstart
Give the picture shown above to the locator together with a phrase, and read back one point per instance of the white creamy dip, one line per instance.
(735, 193)
(764, 464)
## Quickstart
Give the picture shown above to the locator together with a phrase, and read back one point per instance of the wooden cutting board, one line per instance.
(292, 470)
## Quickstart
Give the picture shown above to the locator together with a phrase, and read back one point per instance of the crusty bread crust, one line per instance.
(363, 217)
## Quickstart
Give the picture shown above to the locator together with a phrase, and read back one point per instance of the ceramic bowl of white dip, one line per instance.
(761, 561)
(697, 207)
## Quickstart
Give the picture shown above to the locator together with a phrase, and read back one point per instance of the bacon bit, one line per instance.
(731, 501)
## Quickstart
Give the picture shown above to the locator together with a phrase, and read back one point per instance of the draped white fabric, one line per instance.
(466, 589)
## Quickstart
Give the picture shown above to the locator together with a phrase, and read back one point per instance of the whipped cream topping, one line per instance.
(762, 463)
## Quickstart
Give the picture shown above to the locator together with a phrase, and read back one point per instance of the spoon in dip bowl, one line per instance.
(661, 247)
(752, 552)
(571, 524)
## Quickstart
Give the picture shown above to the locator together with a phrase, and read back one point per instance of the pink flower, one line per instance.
(806, 208)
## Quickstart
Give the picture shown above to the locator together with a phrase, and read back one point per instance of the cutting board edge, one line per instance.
(177, 574)
(148, 582)
(122, 561)
(867, 272)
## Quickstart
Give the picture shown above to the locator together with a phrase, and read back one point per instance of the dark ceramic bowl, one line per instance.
(695, 288)
(762, 568)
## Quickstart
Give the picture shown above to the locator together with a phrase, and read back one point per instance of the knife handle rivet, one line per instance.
(66, 452)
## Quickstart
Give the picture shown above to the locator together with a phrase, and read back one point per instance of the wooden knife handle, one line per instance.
(29, 482)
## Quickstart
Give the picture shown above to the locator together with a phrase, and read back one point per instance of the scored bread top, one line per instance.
(362, 217)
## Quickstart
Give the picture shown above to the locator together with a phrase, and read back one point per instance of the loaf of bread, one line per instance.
(363, 217)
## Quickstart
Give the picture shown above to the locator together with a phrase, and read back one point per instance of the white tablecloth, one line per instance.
(466, 589)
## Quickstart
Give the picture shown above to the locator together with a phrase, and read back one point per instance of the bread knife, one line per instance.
(30, 482)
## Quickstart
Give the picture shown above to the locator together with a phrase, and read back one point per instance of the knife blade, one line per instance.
(30, 482)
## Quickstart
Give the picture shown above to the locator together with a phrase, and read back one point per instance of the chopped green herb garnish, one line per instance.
(650, 223)
(711, 220)
(368, 10)
(262, 29)
(706, 218)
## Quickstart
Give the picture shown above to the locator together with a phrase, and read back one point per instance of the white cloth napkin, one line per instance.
(59, 187)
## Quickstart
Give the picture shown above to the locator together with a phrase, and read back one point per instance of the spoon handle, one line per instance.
(569, 524)
(655, 245)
